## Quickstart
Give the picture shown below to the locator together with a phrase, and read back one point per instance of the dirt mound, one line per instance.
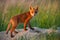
(36, 34)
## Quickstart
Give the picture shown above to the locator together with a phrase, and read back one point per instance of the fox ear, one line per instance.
(36, 8)
(31, 7)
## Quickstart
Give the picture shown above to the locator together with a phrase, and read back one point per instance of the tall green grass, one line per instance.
(48, 15)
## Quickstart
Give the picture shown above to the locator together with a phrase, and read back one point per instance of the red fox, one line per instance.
(21, 18)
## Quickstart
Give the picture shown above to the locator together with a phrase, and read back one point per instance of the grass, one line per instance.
(47, 17)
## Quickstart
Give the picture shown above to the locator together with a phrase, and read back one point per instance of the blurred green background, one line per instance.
(48, 15)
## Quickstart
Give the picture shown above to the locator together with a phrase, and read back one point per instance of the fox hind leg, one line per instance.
(11, 31)
(8, 27)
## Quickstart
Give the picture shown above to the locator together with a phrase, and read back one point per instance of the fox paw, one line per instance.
(12, 36)
(6, 32)
(15, 31)
(25, 29)
(32, 28)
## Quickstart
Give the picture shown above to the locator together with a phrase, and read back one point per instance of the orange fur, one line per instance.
(21, 18)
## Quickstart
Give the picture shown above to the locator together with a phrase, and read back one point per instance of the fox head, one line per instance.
(33, 11)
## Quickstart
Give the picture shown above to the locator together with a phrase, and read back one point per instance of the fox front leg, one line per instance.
(30, 26)
(25, 24)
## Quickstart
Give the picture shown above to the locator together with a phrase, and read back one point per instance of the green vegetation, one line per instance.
(48, 15)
